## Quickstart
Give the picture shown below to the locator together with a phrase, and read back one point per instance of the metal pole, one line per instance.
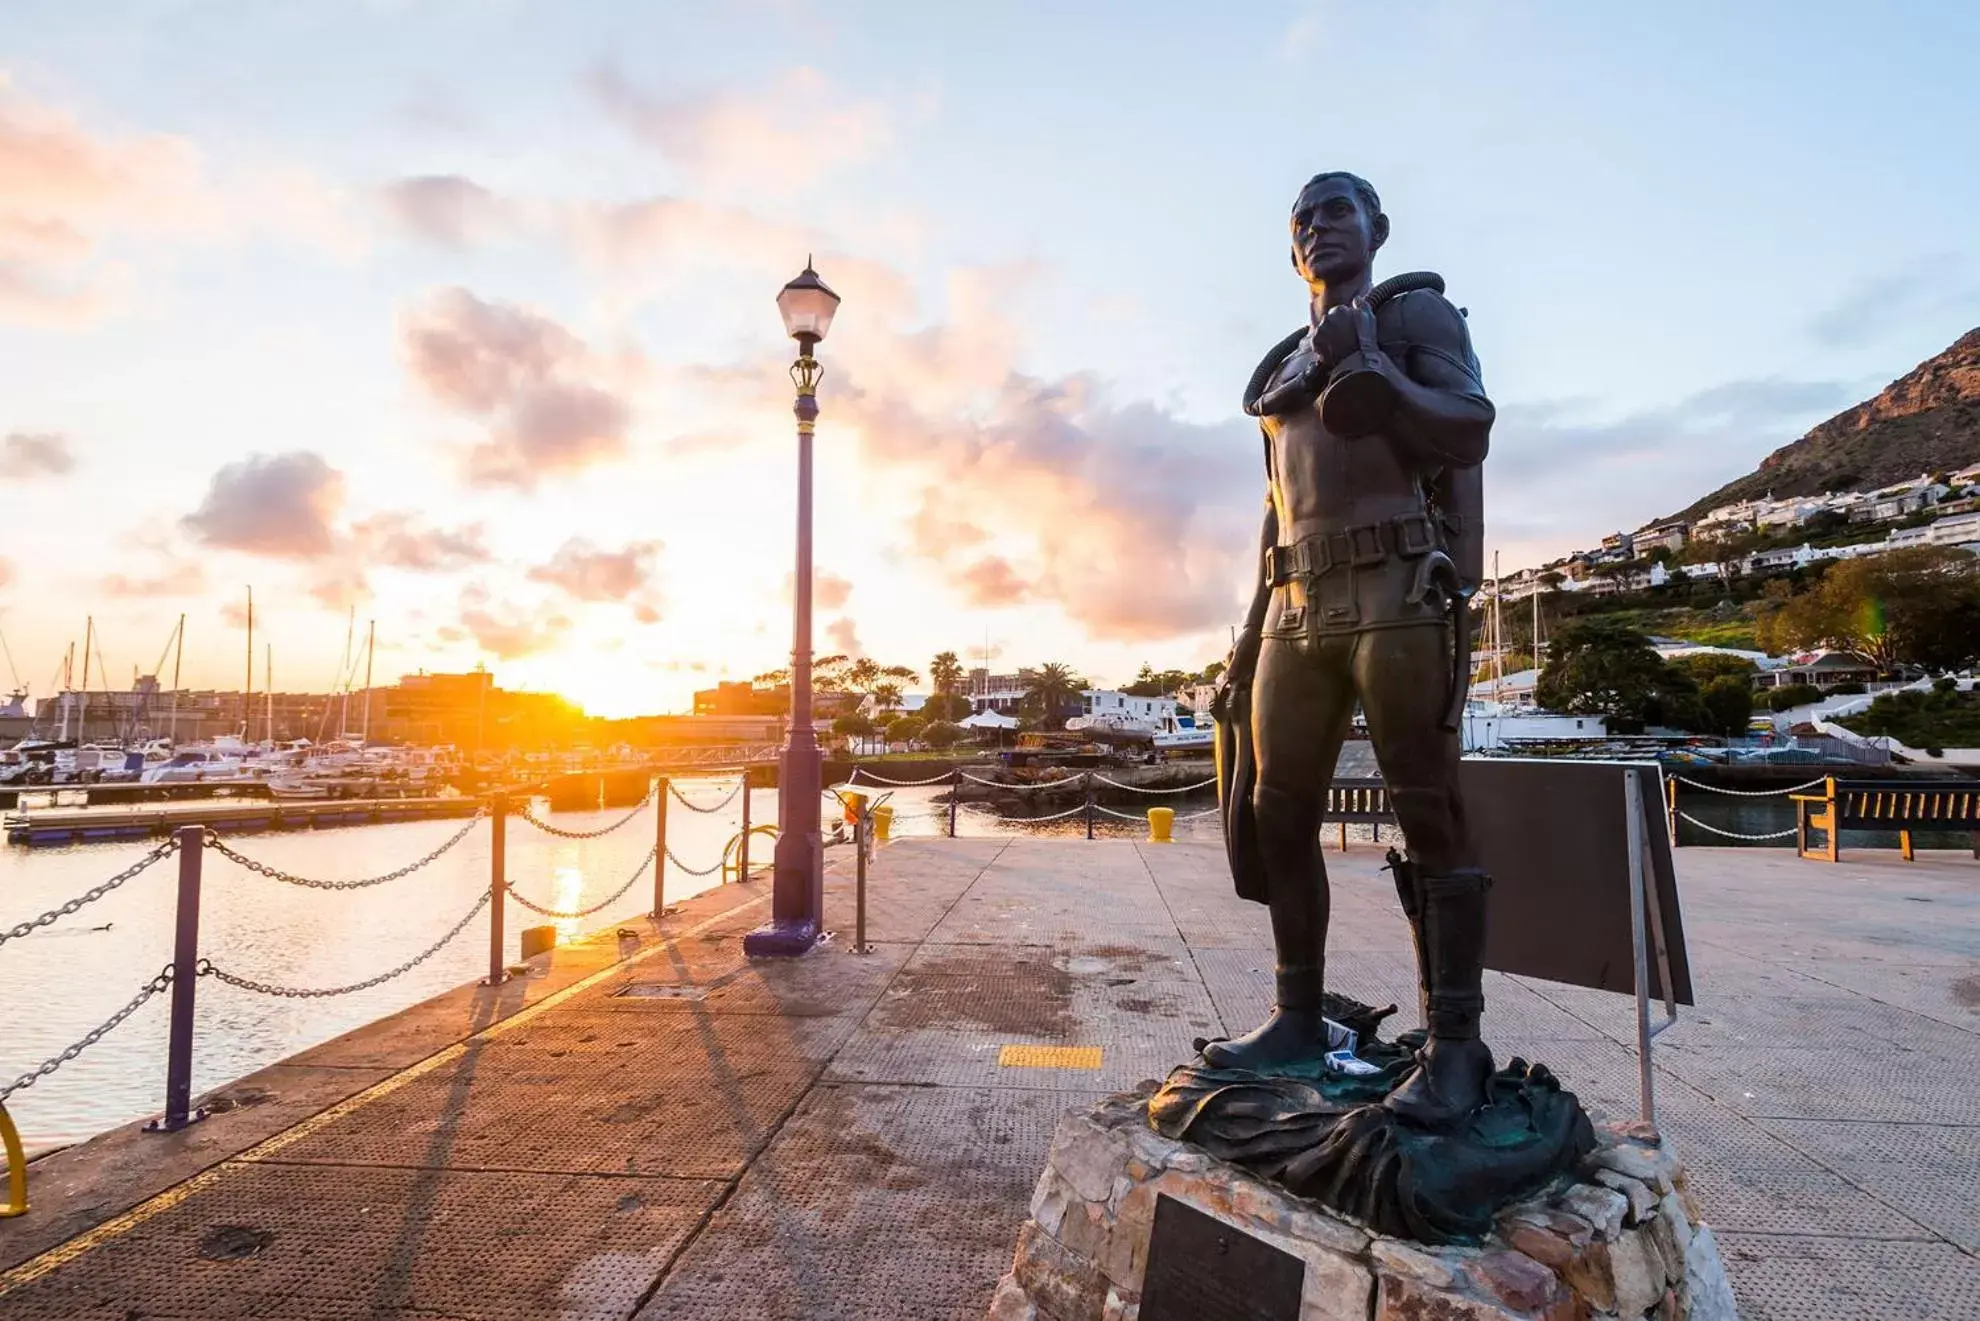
(862, 828)
(955, 792)
(1640, 946)
(1089, 804)
(797, 899)
(742, 844)
(185, 981)
(660, 788)
(498, 865)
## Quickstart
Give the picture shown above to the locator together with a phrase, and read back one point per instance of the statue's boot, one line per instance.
(1452, 1069)
(1296, 1031)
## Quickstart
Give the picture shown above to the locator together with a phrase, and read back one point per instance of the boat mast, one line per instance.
(82, 715)
(178, 654)
(1498, 634)
(344, 674)
(370, 643)
(268, 688)
(247, 694)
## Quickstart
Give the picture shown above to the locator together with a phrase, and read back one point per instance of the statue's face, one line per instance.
(1334, 237)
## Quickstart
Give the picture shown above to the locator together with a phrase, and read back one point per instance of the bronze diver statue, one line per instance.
(1376, 425)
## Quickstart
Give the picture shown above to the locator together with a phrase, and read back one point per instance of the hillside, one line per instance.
(1927, 420)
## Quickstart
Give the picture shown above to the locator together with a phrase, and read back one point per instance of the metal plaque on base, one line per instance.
(1201, 1269)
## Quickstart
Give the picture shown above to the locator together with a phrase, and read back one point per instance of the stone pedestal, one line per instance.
(1619, 1239)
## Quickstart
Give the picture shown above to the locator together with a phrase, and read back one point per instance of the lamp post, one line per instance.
(797, 900)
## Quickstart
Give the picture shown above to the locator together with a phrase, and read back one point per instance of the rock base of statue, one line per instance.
(1118, 1219)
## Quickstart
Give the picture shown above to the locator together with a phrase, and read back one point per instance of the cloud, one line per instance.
(536, 385)
(447, 210)
(35, 454)
(828, 590)
(507, 632)
(843, 636)
(6, 572)
(991, 581)
(585, 572)
(396, 539)
(63, 192)
(774, 138)
(1554, 469)
(280, 505)
(179, 578)
(1924, 289)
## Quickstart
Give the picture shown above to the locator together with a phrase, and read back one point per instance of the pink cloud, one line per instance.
(27, 454)
(586, 572)
(180, 578)
(508, 631)
(396, 539)
(280, 505)
(447, 210)
(534, 384)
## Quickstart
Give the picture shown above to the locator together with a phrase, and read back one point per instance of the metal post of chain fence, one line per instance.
(955, 792)
(862, 831)
(660, 788)
(1089, 804)
(742, 846)
(1671, 795)
(498, 866)
(185, 956)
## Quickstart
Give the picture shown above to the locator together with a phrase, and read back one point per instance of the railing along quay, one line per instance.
(191, 844)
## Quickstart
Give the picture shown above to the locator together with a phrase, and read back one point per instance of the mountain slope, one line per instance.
(1927, 420)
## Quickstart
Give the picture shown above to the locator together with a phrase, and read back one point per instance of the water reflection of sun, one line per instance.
(570, 893)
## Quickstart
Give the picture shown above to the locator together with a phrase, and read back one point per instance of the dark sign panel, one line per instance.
(1554, 836)
(1201, 1269)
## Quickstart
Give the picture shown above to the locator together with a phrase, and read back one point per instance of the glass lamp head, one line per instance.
(807, 305)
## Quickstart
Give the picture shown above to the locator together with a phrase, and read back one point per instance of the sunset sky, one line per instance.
(461, 312)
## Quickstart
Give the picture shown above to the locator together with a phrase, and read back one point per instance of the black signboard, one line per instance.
(1201, 1269)
(1555, 838)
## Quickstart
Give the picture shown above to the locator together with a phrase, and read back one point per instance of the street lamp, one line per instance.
(797, 899)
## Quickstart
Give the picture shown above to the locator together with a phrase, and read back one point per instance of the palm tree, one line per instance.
(945, 672)
(1052, 688)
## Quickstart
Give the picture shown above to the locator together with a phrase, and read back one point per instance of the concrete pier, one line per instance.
(652, 1126)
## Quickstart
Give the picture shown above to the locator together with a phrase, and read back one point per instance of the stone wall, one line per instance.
(1622, 1240)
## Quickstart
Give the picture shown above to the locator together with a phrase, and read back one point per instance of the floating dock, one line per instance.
(73, 825)
(651, 1125)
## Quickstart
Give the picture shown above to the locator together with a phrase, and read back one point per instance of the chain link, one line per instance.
(598, 907)
(94, 1035)
(1140, 789)
(91, 895)
(205, 968)
(691, 806)
(1020, 787)
(561, 833)
(1731, 834)
(1119, 816)
(858, 771)
(1070, 811)
(220, 846)
(705, 871)
(1746, 793)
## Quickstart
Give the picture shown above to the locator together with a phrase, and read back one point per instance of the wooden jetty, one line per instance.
(71, 825)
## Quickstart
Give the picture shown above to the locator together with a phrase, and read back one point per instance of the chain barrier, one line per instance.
(705, 871)
(1002, 784)
(206, 968)
(220, 846)
(1119, 816)
(1056, 816)
(91, 895)
(691, 806)
(1140, 789)
(1197, 816)
(1732, 834)
(858, 771)
(1746, 793)
(598, 907)
(90, 1038)
(561, 833)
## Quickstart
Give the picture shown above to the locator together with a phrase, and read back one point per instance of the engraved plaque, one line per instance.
(1201, 1269)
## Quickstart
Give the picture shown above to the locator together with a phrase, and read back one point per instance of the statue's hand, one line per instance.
(1237, 673)
(1336, 334)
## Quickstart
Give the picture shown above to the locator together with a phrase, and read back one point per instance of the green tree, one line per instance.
(905, 729)
(1052, 690)
(1918, 606)
(1728, 703)
(853, 723)
(945, 672)
(1706, 666)
(941, 734)
(1152, 682)
(946, 706)
(1600, 667)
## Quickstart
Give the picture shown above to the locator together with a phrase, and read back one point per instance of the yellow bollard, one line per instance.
(855, 803)
(17, 1172)
(1161, 825)
(883, 821)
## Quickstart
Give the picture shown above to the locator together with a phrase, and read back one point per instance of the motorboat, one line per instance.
(1185, 731)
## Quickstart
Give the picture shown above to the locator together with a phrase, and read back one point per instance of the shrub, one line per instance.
(1945, 683)
(941, 734)
(1789, 696)
(1850, 689)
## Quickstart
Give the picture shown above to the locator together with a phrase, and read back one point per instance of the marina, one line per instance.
(66, 825)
